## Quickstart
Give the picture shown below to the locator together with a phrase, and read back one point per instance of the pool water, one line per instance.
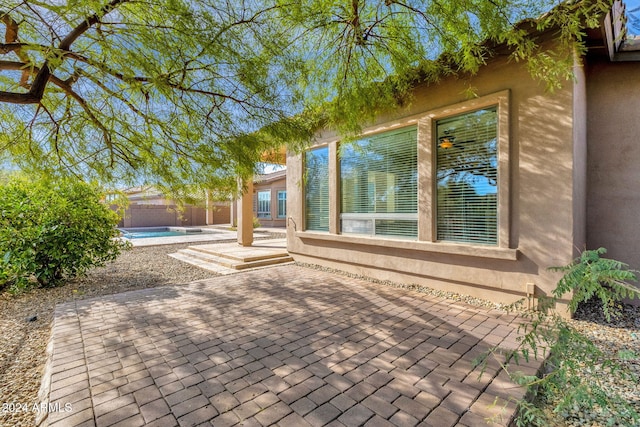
(147, 234)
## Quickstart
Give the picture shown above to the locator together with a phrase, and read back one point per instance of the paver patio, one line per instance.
(286, 346)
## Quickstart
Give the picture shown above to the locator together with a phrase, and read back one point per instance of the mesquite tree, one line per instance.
(173, 90)
(193, 91)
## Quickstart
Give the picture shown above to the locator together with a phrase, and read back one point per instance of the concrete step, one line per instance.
(210, 266)
(263, 262)
(240, 254)
(205, 257)
(226, 263)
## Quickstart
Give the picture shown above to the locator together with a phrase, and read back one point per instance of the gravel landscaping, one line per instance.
(620, 335)
(25, 322)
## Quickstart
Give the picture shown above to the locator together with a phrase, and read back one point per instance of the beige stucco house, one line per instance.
(481, 196)
(268, 195)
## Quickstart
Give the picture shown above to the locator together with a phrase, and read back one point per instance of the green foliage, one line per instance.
(193, 90)
(366, 56)
(50, 232)
(574, 373)
(169, 92)
(591, 276)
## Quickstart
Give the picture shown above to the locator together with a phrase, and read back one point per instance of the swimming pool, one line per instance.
(143, 233)
(147, 234)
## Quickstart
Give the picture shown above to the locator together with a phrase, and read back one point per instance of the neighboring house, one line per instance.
(270, 199)
(147, 195)
(148, 207)
(481, 196)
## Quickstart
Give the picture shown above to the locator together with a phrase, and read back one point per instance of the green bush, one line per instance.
(567, 354)
(50, 232)
(591, 276)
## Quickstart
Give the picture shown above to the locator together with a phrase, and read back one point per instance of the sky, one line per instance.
(633, 12)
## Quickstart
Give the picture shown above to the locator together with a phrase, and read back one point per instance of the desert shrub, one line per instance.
(568, 354)
(52, 231)
(591, 276)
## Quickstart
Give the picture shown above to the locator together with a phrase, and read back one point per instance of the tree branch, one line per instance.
(36, 91)
(23, 98)
(11, 47)
(112, 93)
(87, 109)
(11, 33)
(11, 39)
(66, 43)
(66, 87)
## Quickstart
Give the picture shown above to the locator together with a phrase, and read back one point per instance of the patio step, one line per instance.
(210, 266)
(229, 258)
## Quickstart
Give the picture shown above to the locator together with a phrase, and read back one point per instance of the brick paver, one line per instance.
(286, 346)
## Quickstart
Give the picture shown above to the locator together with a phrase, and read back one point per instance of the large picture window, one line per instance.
(316, 189)
(379, 184)
(438, 182)
(467, 177)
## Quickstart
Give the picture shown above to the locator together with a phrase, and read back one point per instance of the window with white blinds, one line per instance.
(316, 189)
(467, 177)
(379, 185)
(264, 204)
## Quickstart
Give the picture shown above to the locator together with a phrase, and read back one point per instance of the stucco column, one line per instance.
(233, 211)
(245, 214)
(209, 208)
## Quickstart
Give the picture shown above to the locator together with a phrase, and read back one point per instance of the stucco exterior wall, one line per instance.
(218, 213)
(580, 157)
(613, 121)
(162, 216)
(273, 187)
(546, 194)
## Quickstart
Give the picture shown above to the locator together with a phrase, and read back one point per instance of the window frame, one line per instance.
(373, 217)
(426, 241)
(330, 188)
(258, 211)
(427, 159)
(467, 211)
(279, 213)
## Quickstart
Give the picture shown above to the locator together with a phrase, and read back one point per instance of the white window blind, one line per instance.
(379, 184)
(467, 177)
(316, 185)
